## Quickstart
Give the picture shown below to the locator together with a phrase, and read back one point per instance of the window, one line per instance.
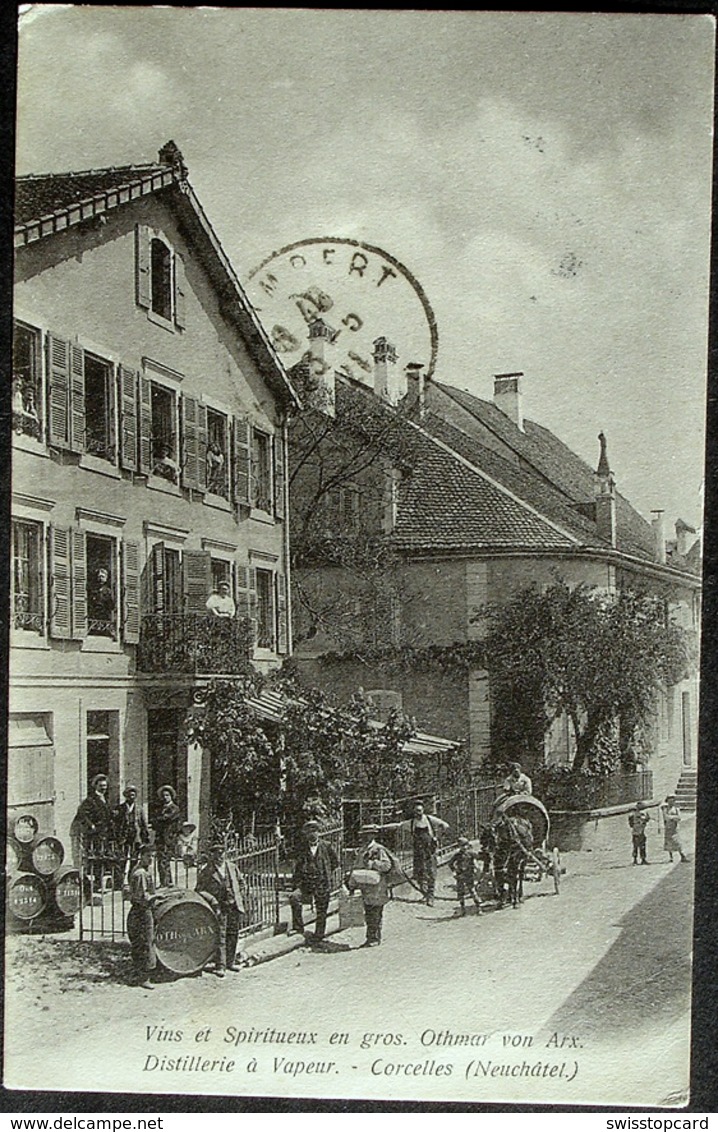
(262, 470)
(349, 504)
(99, 408)
(101, 586)
(164, 432)
(221, 572)
(265, 609)
(98, 745)
(161, 279)
(27, 577)
(217, 454)
(26, 381)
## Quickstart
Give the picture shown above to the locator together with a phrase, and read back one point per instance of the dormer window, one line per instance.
(159, 278)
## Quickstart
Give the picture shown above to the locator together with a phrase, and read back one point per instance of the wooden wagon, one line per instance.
(542, 860)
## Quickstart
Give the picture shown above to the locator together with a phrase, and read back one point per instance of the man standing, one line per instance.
(223, 887)
(638, 819)
(373, 859)
(312, 881)
(140, 921)
(131, 829)
(167, 823)
(221, 603)
(424, 828)
(92, 829)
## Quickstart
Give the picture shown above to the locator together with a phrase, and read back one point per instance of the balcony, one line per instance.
(194, 644)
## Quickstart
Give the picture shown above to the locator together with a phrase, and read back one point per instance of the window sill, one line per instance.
(217, 501)
(100, 644)
(28, 443)
(102, 467)
(165, 323)
(260, 516)
(19, 639)
(157, 483)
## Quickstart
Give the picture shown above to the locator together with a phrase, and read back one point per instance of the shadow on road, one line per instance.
(645, 973)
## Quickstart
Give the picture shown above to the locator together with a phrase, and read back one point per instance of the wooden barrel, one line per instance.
(25, 828)
(47, 856)
(26, 896)
(66, 890)
(14, 857)
(186, 931)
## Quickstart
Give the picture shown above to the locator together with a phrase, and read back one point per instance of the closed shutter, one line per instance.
(131, 592)
(60, 584)
(77, 398)
(196, 580)
(278, 443)
(282, 624)
(242, 462)
(145, 429)
(79, 585)
(58, 368)
(143, 287)
(127, 397)
(194, 439)
(180, 294)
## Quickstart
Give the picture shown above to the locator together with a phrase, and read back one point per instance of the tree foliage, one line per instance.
(574, 651)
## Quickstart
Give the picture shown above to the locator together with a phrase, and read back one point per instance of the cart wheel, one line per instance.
(556, 870)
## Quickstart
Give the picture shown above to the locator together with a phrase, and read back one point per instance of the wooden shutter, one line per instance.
(60, 584)
(145, 429)
(194, 442)
(180, 293)
(242, 462)
(58, 368)
(77, 398)
(143, 286)
(246, 598)
(131, 592)
(282, 624)
(79, 585)
(196, 580)
(155, 596)
(279, 475)
(127, 400)
(201, 447)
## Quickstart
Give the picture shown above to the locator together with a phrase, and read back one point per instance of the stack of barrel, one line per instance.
(43, 894)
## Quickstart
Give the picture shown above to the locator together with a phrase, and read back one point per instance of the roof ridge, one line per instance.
(91, 172)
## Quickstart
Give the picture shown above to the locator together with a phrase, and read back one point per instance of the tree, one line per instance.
(598, 660)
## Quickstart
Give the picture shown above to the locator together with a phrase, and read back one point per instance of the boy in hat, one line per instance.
(223, 887)
(638, 819)
(314, 866)
(140, 921)
(373, 857)
(463, 866)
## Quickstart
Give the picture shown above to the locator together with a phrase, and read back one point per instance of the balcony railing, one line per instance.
(194, 643)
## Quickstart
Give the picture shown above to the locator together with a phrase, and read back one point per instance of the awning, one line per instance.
(27, 731)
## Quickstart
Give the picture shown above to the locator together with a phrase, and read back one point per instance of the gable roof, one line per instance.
(49, 203)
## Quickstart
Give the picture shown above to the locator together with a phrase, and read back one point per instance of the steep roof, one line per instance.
(47, 204)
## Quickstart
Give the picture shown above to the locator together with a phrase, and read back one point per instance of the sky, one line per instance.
(545, 177)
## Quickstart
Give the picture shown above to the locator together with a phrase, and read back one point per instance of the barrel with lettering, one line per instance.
(26, 896)
(186, 931)
(47, 856)
(25, 828)
(66, 890)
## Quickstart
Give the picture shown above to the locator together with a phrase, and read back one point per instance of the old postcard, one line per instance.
(358, 391)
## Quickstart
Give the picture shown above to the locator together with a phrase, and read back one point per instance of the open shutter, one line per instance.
(60, 583)
(77, 398)
(242, 462)
(127, 398)
(196, 580)
(131, 592)
(282, 625)
(180, 294)
(278, 444)
(154, 574)
(79, 585)
(201, 447)
(145, 426)
(194, 443)
(245, 601)
(58, 368)
(143, 287)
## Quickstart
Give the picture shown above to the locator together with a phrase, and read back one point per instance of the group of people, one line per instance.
(638, 821)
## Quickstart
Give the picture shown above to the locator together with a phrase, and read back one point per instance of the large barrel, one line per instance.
(66, 890)
(186, 931)
(26, 896)
(47, 855)
(14, 857)
(25, 828)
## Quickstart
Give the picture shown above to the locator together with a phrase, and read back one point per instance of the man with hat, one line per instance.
(131, 829)
(167, 824)
(223, 887)
(92, 827)
(314, 866)
(221, 603)
(140, 921)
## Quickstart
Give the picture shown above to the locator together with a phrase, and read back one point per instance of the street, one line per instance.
(581, 997)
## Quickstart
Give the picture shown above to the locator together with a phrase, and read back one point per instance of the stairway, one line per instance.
(686, 791)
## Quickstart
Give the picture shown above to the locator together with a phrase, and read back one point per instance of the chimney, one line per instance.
(659, 536)
(415, 389)
(605, 496)
(507, 397)
(318, 380)
(389, 383)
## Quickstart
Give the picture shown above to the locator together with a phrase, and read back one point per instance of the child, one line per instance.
(187, 845)
(671, 820)
(140, 921)
(463, 866)
(638, 819)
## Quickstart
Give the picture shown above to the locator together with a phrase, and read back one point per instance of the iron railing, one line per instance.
(194, 643)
